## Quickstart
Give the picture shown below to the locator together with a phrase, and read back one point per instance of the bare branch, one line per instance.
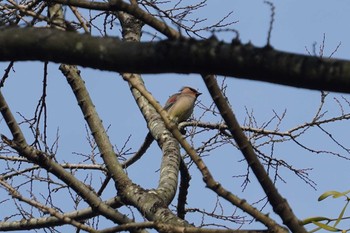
(182, 57)
(13, 192)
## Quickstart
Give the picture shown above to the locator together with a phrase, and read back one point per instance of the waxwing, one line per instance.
(180, 105)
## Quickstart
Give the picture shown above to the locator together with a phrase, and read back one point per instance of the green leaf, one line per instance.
(314, 230)
(329, 193)
(341, 194)
(314, 219)
(335, 194)
(326, 227)
(341, 214)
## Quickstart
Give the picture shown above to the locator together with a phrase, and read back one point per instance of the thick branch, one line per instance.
(146, 202)
(171, 152)
(182, 56)
(279, 204)
(207, 177)
(44, 160)
(132, 9)
(51, 221)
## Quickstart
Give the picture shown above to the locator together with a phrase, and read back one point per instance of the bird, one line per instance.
(179, 107)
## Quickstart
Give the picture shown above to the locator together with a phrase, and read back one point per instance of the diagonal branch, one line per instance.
(15, 194)
(132, 9)
(149, 204)
(279, 204)
(37, 223)
(169, 170)
(44, 160)
(207, 177)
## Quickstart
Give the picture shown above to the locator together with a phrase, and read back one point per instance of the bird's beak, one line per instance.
(198, 94)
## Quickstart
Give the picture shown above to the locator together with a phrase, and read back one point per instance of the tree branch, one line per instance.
(207, 177)
(279, 204)
(132, 9)
(44, 160)
(184, 56)
(51, 221)
(170, 164)
(145, 201)
(65, 219)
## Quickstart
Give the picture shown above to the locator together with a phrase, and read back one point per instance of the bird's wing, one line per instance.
(170, 102)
